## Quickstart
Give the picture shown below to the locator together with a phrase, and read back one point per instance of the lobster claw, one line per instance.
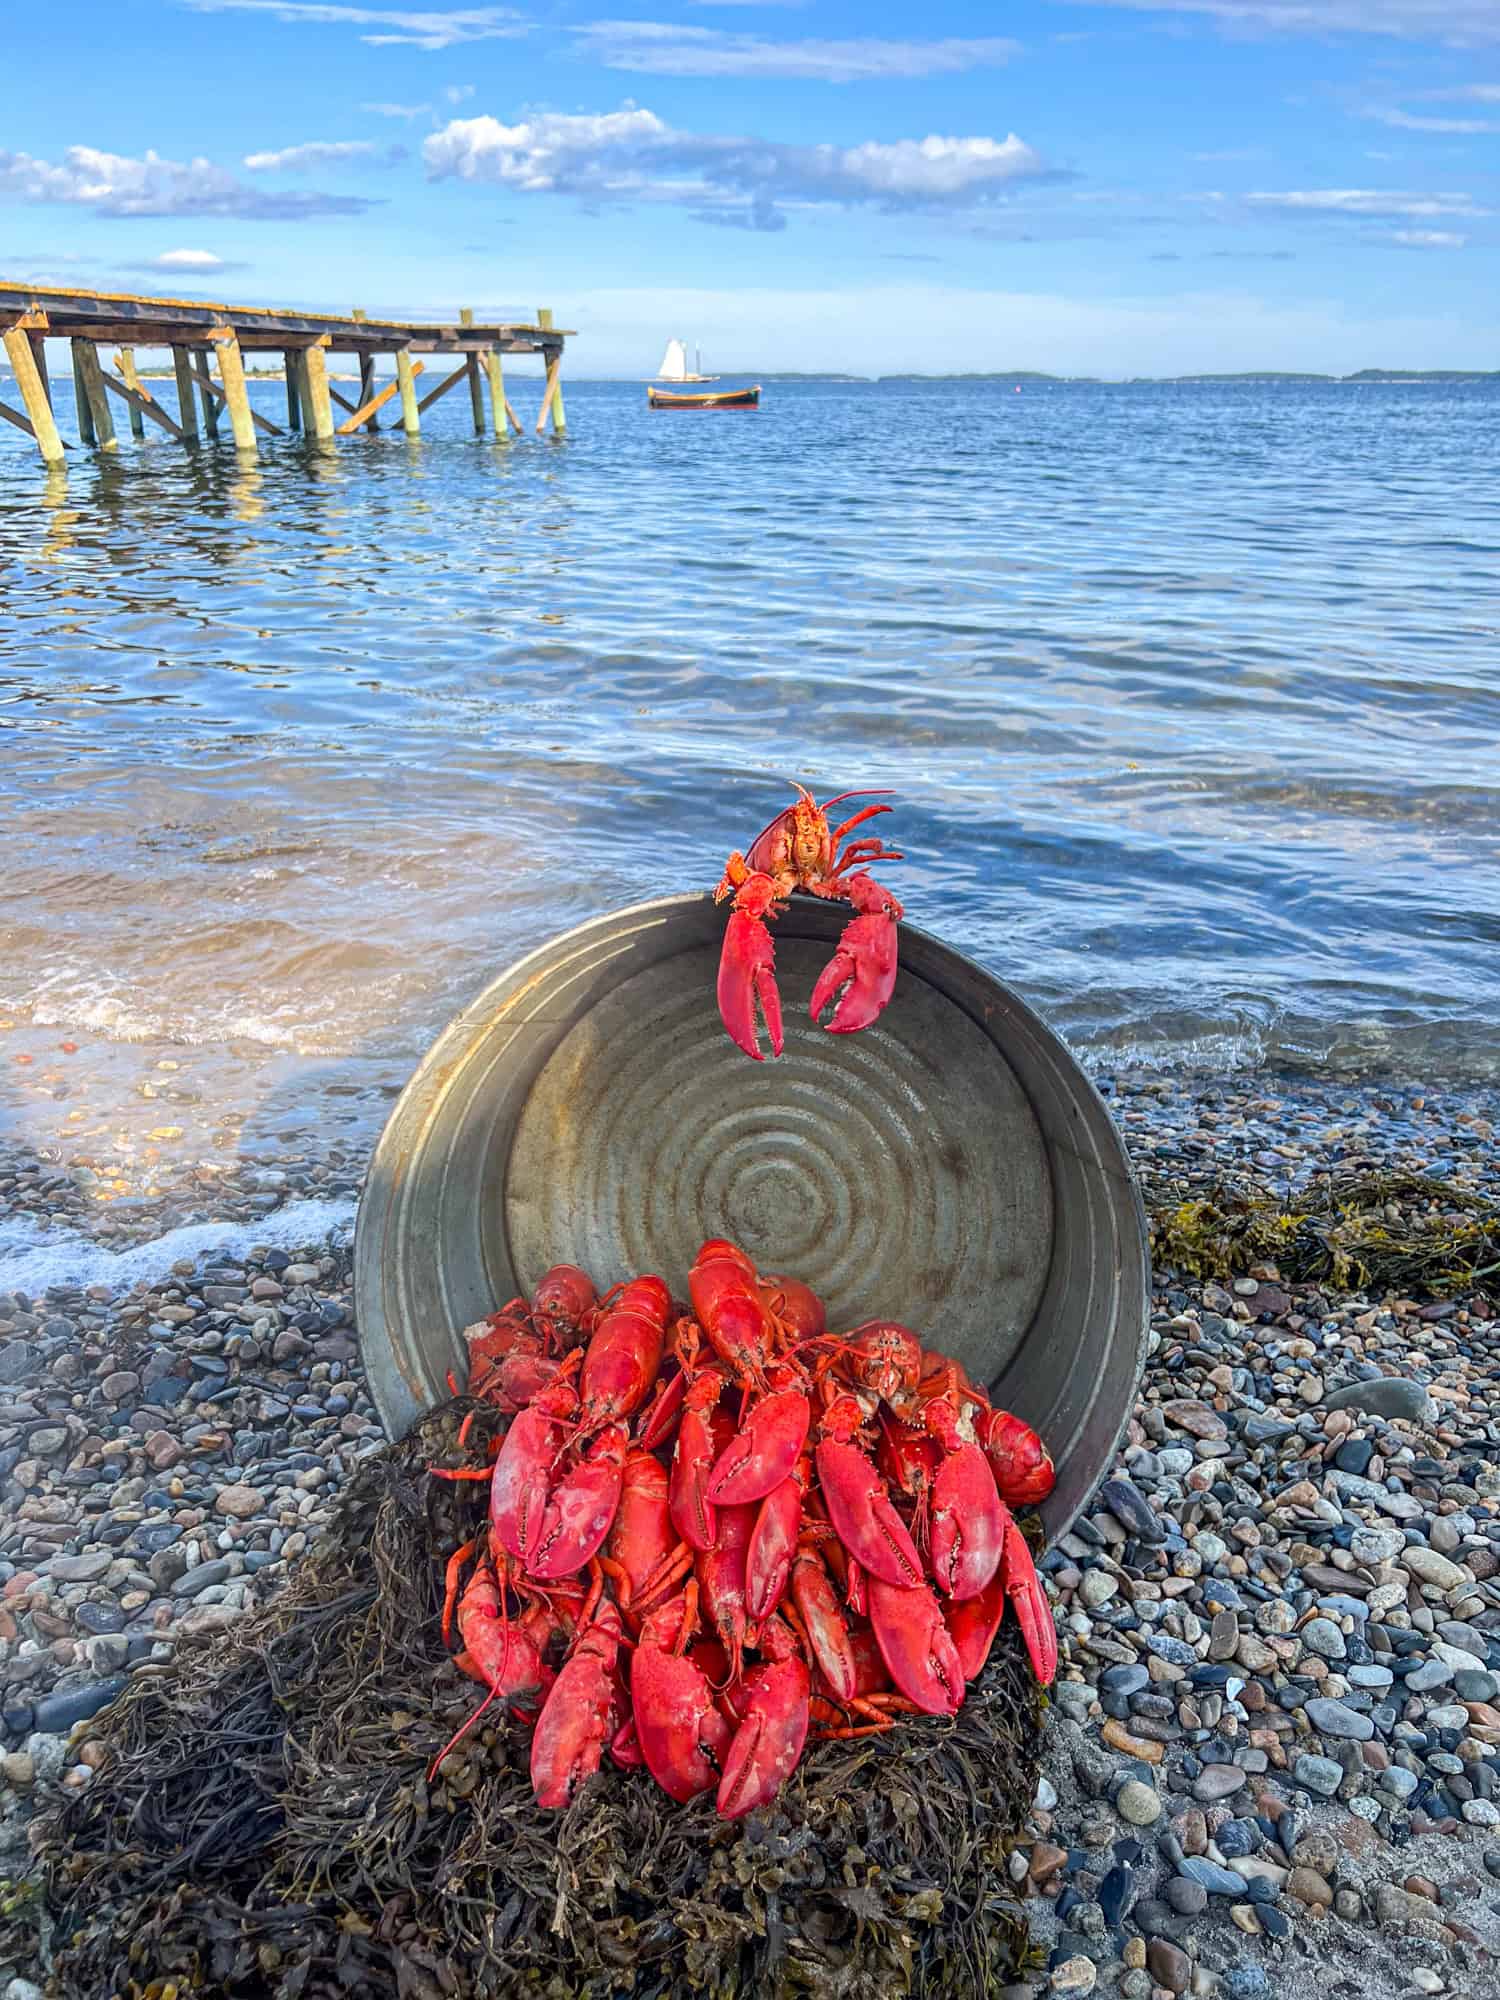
(915, 1644)
(747, 974)
(1033, 1612)
(827, 1633)
(769, 1739)
(973, 1622)
(862, 972)
(763, 1451)
(520, 1481)
(574, 1724)
(682, 1736)
(862, 1515)
(773, 1544)
(968, 1523)
(581, 1508)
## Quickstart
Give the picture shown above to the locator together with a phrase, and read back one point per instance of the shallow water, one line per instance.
(1189, 694)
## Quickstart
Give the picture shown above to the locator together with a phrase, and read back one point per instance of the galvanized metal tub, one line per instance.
(951, 1167)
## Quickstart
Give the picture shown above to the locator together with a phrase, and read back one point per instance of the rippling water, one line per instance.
(1191, 697)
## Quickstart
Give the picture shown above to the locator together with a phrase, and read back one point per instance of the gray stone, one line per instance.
(1391, 1396)
(1429, 1567)
(56, 1713)
(1139, 1803)
(1187, 1897)
(1431, 1674)
(1334, 1718)
(1376, 1545)
(1322, 1636)
(1318, 1774)
(86, 1568)
(1210, 1876)
(1375, 1679)
(200, 1578)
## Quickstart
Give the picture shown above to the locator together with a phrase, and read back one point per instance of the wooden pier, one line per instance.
(195, 329)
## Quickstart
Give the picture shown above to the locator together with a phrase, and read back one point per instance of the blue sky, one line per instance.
(1127, 186)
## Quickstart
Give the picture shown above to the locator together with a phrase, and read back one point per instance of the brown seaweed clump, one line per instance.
(1383, 1232)
(261, 1827)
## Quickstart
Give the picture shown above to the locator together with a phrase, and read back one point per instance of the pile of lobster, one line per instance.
(713, 1530)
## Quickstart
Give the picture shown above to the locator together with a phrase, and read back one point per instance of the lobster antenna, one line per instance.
(459, 1735)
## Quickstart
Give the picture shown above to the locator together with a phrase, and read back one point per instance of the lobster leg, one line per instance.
(862, 972)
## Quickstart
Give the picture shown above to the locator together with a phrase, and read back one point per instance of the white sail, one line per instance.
(674, 366)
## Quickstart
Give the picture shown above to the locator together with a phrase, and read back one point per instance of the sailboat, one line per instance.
(674, 368)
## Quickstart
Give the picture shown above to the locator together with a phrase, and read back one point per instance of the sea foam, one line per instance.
(33, 1258)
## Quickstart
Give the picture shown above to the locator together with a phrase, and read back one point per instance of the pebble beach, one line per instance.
(1273, 1756)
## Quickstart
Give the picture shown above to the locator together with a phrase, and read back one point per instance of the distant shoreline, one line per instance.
(1017, 375)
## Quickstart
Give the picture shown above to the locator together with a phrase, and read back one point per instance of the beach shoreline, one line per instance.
(179, 1411)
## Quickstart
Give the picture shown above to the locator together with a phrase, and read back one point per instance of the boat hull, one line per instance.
(717, 399)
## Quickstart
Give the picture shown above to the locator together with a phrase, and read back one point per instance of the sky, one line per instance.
(1105, 187)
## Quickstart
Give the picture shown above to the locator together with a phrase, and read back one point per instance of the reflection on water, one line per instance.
(1189, 696)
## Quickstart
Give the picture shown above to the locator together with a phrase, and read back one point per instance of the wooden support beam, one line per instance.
(367, 388)
(448, 382)
(22, 423)
(293, 397)
(338, 396)
(39, 356)
(476, 392)
(232, 376)
(498, 406)
(261, 423)
(206, 391)
(367, 410)
(411, 421)
(86, 361)
(315, 377)
(33, 395)
(81, 398)
(187, 406)
(552, 402)
(125, 362)
(141, 405)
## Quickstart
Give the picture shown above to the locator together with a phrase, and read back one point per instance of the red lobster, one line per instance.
(800, 850)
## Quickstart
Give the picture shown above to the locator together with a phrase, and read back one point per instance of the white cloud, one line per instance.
(415, 28)
(322, 153)
(1367, 202)
(459, 93)
(396, 110)
(659, 49)
(115, 184)
(1405, 121)
(1462, 21)
(1429, 239)
(187, 260)
(1471, 93)
(633, 154)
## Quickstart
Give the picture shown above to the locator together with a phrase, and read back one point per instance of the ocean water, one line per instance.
(1188, 697)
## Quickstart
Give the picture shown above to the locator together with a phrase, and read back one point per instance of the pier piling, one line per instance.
(34, 398)
(191, 329)
(125, 363)
(187, 407)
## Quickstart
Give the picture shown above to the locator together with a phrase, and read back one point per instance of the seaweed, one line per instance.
(1388, 1232)
(262, 1824)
